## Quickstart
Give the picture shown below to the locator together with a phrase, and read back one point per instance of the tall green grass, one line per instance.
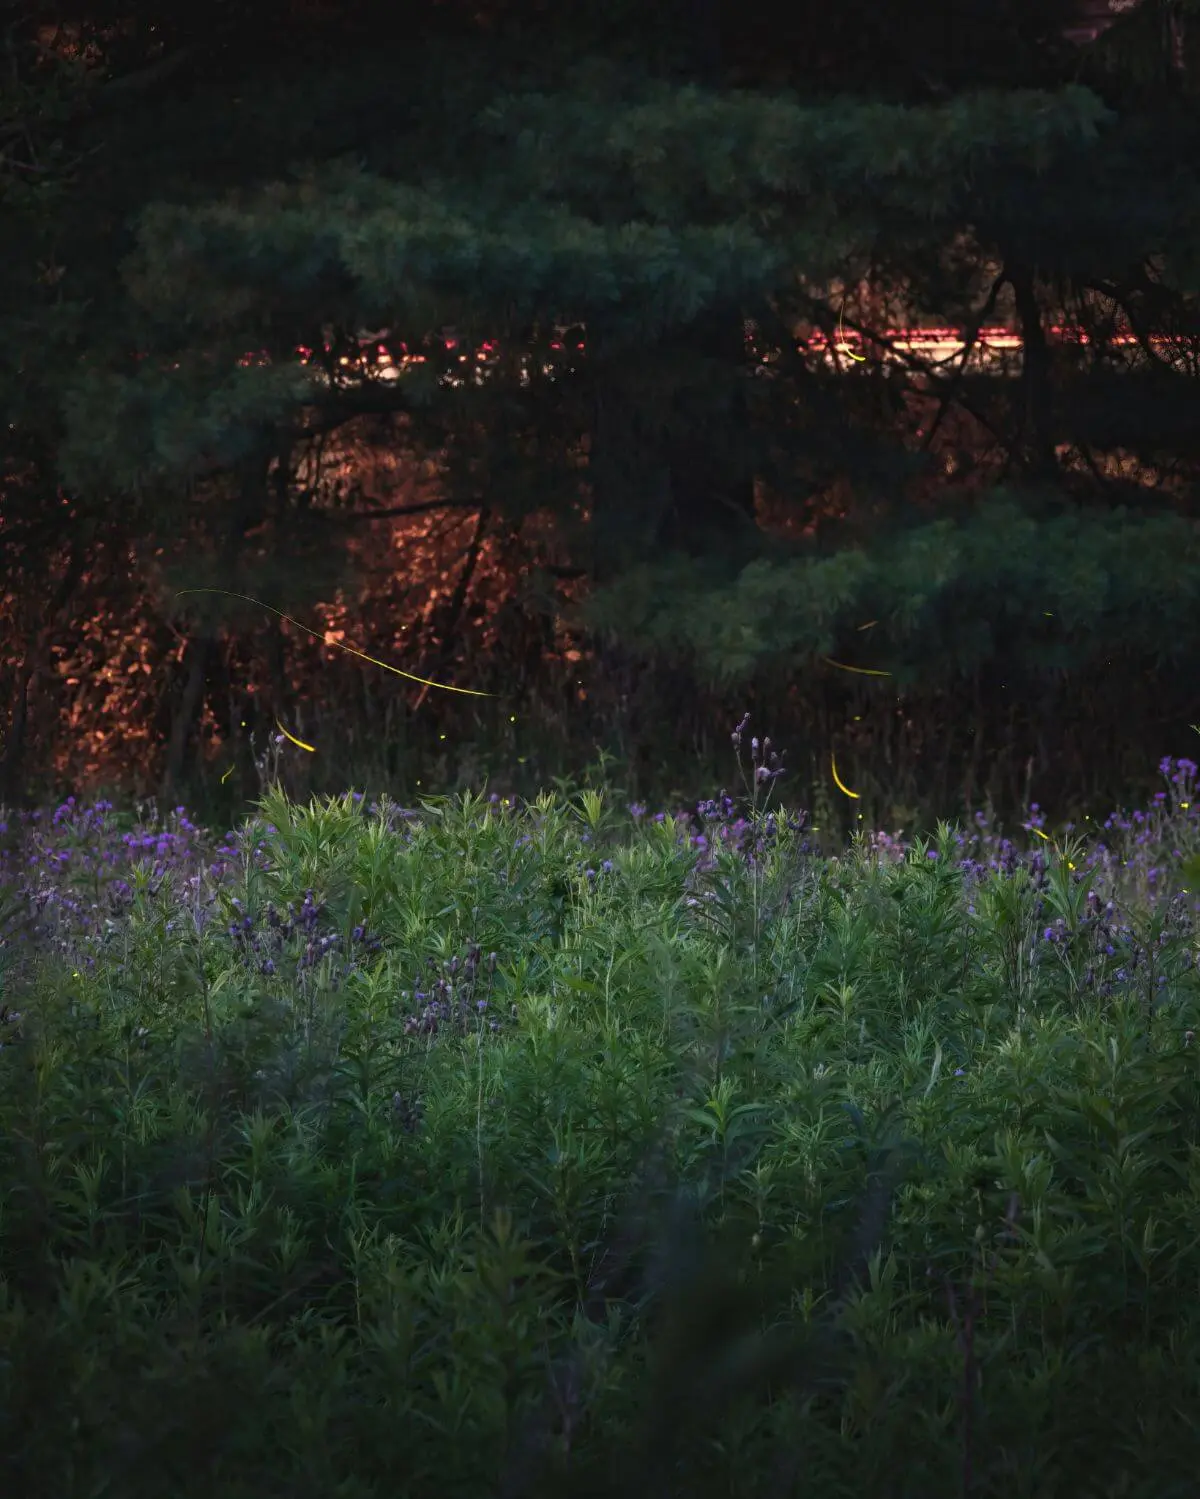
(556, 1149)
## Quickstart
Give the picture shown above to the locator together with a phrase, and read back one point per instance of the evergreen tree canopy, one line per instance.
(663, 181)
(631, 206)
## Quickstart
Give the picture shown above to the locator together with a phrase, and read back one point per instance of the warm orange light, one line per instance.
(424, 681)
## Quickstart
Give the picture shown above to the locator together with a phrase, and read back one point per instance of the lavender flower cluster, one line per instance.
(69, 879)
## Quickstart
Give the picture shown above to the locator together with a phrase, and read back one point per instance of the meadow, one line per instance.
(560, 1147)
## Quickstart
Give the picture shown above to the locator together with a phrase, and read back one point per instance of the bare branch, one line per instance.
(951, 390)
(336, 518)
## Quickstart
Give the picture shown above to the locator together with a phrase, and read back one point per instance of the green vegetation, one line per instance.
(641, 226)
(558, 1148)
(529, 1145)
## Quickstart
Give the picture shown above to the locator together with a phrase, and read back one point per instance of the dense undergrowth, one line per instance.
(558, 1148)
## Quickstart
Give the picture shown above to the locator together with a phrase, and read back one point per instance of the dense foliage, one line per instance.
(533, 1144)
(547, 1149)
(679, 508)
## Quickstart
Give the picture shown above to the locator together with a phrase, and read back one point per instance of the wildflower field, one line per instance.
(565, 1149)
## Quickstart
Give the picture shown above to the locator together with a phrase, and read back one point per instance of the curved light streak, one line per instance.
(362, 655)
(837, 780)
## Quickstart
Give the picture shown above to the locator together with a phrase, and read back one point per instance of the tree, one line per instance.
(535, 177)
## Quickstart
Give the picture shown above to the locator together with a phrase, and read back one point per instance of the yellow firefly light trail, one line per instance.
(298, 742)
(424, 681)
(863, 671)
(843, 347)
(1046, 838)
(837, 780)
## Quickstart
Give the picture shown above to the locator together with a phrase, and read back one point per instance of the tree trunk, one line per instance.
(12, 767)
(693, 492)
(452, 613)
(668, 468)
(250, 511)
(1035, 439)
(198, 654)
(711, 481)
(629, 478)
